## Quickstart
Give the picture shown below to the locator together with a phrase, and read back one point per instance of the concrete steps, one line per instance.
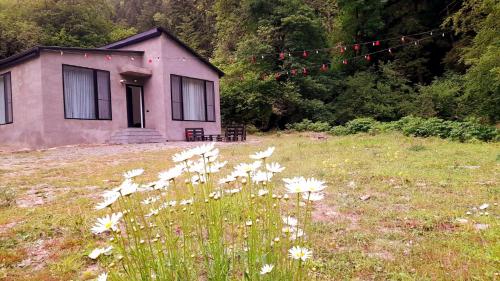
(136, 135)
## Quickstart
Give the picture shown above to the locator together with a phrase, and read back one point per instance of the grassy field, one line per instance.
(397, 208)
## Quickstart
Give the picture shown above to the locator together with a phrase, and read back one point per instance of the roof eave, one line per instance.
(158, 31)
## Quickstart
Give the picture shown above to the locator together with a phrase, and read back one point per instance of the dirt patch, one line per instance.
(5, 228)
(330, 214)
(36, 255)
(36, 196)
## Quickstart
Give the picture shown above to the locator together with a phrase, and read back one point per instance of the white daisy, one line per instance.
(186, 202)
(296, 233)
(203, 149)
(232, 191)
(248, 223)
(212, 155)
(275, 168)
(107, 223)
(260, 176)
(108, 201)
(315, 196)
(247, 168)
(263, 154)
(291, 221)
(227, 179)
(102, 277)
(171, 173)
(295, 186)
(128, 187)
(161, 184)
(266, 268)
(314, 185)
(133, 173)
(182, 156)
(262, 192)
(99, 251)
(298, 253)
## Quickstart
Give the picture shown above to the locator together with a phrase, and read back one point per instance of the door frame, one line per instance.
(129, 106)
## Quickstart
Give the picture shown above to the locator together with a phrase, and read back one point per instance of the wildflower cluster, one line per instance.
(191, 223)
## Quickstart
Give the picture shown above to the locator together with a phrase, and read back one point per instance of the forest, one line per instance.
(289, 60)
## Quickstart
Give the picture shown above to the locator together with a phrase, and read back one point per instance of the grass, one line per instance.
(406, 230)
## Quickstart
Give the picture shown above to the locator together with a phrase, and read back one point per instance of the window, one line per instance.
(192, 99)
(87, 93)
(6, 116)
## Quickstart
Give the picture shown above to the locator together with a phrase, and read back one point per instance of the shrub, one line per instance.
(193, 225)
(469, 130)
(339, 131)
(361, 125)
(308, 125)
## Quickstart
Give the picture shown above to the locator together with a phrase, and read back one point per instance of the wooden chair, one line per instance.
(195, 134)
(235, 133)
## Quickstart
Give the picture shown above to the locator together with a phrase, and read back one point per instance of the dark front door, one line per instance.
(135, 107)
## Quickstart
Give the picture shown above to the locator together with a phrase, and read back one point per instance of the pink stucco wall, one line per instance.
(27, 129)
(158, 97)
(38, 96)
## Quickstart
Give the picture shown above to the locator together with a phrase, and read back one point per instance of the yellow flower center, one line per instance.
(108, 225)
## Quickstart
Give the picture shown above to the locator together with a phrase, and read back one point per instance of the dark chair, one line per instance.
(195, 134)
(235, 133)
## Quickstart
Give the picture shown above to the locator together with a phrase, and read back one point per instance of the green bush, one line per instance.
(361, 125)
(420, 127)
(410, 126)
(470, 130)
(339, 131)
(308, 125)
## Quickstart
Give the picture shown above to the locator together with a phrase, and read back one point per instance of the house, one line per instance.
(145, 88)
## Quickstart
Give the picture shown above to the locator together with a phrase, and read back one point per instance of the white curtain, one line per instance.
(3, 101)
(193, 92)
(79, 93)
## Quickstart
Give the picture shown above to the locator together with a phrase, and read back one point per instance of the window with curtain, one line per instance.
(192, 99)
(87, 93)
(6, 116)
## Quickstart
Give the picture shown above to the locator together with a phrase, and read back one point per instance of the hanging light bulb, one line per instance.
(132, 58)
(403, 39)
(431, 33)
(390, 50)
(86, 55)
(443, 34)
(344, 61)
(368, 57)
(317, 52)
(62, 53)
